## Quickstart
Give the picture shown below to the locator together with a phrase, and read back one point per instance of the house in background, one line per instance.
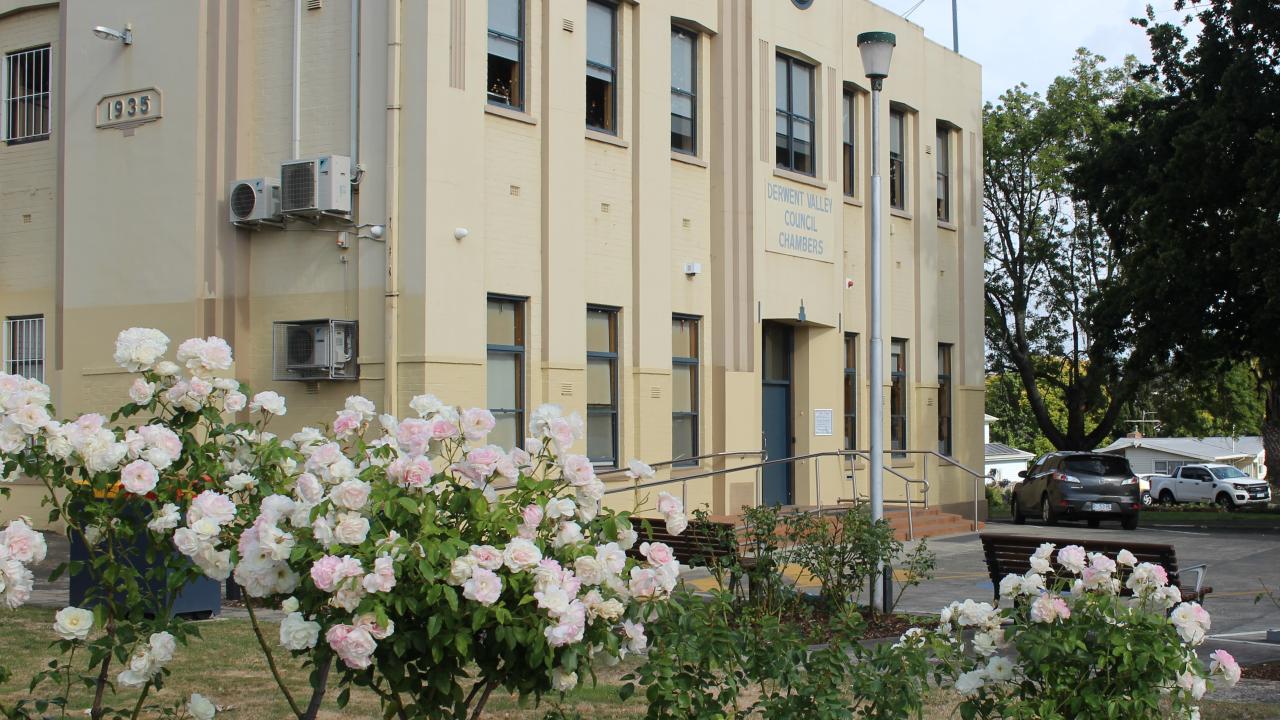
(1164, 455)
(1002, 462)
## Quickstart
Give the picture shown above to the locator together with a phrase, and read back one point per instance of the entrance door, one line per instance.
(776, 420)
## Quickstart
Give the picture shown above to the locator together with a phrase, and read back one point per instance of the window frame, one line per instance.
(9, 344)
(898, 179)
(695, 387)
(898, 385)
(942, 151)
(521, 63)
(9, 103)
(519, 353)
(614, 409)
(849, 146)
(946, 399)
(791, 117)
(612, 69)
(850, 391)
(691, 94)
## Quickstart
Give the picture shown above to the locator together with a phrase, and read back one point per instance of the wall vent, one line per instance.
(568, 25)
(515, 191)
(686, 223)
(315, 4)
(655, 392)
(566, 389)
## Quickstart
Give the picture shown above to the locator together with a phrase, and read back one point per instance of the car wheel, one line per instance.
(1225, 502)
(1147, 500)
(1094, 522)
(1046, 511)
(1129, 522)
(1018, 517)
(1166, 497)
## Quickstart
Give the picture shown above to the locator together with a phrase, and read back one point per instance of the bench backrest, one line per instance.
(699, 544)
(1007, 554)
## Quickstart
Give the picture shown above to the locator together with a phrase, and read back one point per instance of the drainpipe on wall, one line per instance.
(391, 348)
(297, 78)
(355, 85)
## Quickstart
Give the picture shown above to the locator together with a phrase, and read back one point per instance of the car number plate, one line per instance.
(1100, 507)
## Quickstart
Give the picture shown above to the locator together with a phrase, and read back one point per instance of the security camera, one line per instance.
(460, 233)
(377, 231)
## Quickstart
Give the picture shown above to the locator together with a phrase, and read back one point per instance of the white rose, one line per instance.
(351, 528)
(290, 605)
(268, 402)
(589, 570)
(73, 623)
(298, 633)
(235, 401)
(351, 494)
(189, 542)
(241, 481)
(162, 645)
(200, 707)
(521, 554)
(138, 349)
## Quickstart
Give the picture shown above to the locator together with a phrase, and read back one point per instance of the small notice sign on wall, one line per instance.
(822, 422)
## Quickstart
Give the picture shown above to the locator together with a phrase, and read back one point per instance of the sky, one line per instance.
(1033, 41)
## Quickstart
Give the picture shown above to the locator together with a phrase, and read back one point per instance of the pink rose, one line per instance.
(309, 489)
(485, 459)
(215, 506)
(413, 435)
(346, 423)
(486, 556)
(657, 553)
(383, 577)
(477, 423)
(577, 470)
(325, 573)
(139, 477)
(442, 429)
(1225, 666)
(412, 472)
(351, 494)
(531, 515)
(22, 543)
(669, 504)
(1072, 558)
(483, 586)
(562, 433)
(353, 645)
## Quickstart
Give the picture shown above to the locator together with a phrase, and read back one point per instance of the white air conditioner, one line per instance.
(253, 200)
(314, 350)
(316, 186)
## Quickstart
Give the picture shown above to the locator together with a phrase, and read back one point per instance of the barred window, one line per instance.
(24, 346)
(26, 95)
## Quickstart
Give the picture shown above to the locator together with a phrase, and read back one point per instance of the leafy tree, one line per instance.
(1187, 186)
(1047, 257)
(1224, 403)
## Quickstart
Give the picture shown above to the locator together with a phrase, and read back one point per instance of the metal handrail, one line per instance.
(977, 476)
(684, 484)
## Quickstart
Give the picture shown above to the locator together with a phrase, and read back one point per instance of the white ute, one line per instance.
(1210, 483)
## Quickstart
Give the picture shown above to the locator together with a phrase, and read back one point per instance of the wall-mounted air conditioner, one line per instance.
(316, 186)
(254, 200)
(314, 350)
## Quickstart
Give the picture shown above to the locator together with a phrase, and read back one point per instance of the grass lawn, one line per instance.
(243, 689)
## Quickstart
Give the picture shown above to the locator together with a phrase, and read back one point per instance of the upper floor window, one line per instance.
(506, 53)
(898, 159)
(602, 385)
(24, 346)
(684, 91)
(850, 128)
(602, 66)
(505, 370)
(943, 151)
(794, 119)
(26, 95)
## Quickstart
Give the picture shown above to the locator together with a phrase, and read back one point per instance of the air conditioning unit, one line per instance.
(253, 200)
(316, 186)
(314, 350)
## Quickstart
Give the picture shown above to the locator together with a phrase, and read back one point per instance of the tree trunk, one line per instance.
(1271, 432)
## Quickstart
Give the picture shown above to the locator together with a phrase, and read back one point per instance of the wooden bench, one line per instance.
(700, 545)
(1011, 554)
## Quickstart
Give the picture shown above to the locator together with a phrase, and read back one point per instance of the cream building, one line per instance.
(652, 212)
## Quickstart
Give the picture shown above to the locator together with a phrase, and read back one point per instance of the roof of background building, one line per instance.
(1208, 448)
(1000, 450)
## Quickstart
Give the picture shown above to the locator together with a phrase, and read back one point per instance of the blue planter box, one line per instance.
(201, 598)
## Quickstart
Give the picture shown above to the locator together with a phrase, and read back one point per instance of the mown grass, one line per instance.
(227, 666)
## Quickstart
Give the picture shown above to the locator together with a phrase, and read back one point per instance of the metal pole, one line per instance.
(955, 27)
(876, 462)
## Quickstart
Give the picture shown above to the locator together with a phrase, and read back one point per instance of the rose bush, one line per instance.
(409, 555)
(1079, 635)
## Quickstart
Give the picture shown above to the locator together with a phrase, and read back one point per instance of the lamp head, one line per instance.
(124, 36)
(877, 53)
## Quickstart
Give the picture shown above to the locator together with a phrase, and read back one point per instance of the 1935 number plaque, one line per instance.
(130, 109)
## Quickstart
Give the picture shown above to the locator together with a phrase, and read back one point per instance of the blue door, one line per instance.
(776, 419)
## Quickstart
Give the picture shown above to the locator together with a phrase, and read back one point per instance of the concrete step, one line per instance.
(926, 522)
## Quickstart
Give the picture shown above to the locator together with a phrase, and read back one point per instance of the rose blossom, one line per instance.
(531, 515)
(73, 623)
(138, 349)
(166, 519)
(202, 357)
(139, 477)
(577, 470)
(19, 542)
(351, 494)
(354, 645)
(268, 402)
(669, 504)
(476, 424)
(483, 586)
(383, 577)
(200, 707)
(486, 556)
(346, 423)
(213, 505)
(351, 528)
(1047, 608)
(656, 553)
(141, 391)
(235, 401)
(1072, 558)
(1225, 666)
(298, 633)
(521, 554)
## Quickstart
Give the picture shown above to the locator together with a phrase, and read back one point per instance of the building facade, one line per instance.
(651, 212)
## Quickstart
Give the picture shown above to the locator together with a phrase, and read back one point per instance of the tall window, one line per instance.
(850, 391)
(849, 125)
(505, 369)
(944, 398)
(602, 385)
(943, 151)
(24, 346)
(898, 159)
(794, 118)
(602, 66)
(898, 397)
(506, 53)
(26, 95)
(684, 91)
(684, 388)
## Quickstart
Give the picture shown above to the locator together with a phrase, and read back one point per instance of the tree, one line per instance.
(1224, 403)
(1187, 186)
(1047, 257)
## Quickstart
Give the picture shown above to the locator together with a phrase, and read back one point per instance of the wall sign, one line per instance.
(799, 222)
(822, 422)
(130, 109)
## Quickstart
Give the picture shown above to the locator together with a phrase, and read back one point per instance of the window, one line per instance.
(24, 346)
(1167, 467)
(943, 151)
(898, 397)
(684, 388)
(684, 91)
(850, 132)
(505, 370)
(602, 66)
(794, 120)
(602, 385)
(897, 159)
(850, 391)
(26, 95)
(944, 399)
(506, 53)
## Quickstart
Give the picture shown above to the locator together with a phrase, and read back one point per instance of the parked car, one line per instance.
(1225, 485)
(1072, 485)
(1144, 489)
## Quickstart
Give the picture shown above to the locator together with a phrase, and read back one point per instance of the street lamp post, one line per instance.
(877, 52)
